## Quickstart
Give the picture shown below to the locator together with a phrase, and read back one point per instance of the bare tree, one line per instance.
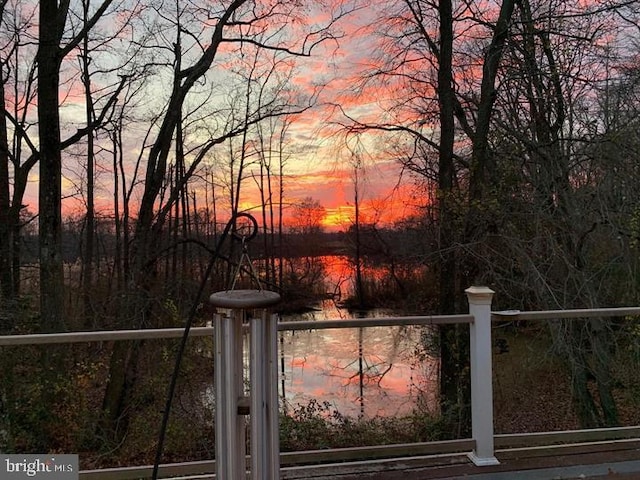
(552, 208)
(51, 52)
(198, 35)
(307, 215)
(434, 117)
(18, 78)
(6, 280)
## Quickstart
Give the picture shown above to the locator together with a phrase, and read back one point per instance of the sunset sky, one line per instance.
(324, 170)
(319, 165)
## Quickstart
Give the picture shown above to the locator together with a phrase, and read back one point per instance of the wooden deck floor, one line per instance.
(611, 461)
(595, 460)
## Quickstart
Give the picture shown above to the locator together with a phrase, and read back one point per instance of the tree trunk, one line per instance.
(455, 393)
(116, 405)
(601, 348)
(89, 233)
(50, 187)
(360, 293)
(50, 193)
(6, 272)
(585, 406)
(482, 170)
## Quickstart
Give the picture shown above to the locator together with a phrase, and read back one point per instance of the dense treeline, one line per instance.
(533, 162)
(516, 120)
(375, 242)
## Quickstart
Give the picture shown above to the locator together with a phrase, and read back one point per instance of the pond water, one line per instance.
(359, 372)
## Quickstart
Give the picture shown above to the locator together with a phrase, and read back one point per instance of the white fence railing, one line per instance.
(479, 319)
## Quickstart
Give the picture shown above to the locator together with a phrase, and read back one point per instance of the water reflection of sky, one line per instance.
(335, 365)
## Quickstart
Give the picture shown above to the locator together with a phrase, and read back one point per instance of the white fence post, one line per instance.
(481, 376)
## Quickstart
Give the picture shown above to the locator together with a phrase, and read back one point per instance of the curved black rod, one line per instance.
(176, 370)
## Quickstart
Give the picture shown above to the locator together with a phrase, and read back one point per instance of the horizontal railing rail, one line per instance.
(565, 314)
(376, 322)
(538, 439)
(102, 336)
(168, 333)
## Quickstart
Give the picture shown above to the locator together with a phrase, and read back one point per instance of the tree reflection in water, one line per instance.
(363, 372)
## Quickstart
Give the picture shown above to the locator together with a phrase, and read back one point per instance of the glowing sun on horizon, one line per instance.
(338, 217)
